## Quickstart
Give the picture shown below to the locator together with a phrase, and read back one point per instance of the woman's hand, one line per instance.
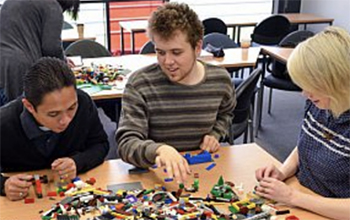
(274, 189)
(269, 171)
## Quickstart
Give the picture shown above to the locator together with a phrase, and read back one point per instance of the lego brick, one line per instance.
(211, 166)
(203, 157)
(28, 200)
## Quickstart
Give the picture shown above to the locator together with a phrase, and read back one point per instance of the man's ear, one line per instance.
(28, 105)
(198, 48)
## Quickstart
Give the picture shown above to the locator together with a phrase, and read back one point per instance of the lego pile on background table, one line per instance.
(95, 78)
(131, 201)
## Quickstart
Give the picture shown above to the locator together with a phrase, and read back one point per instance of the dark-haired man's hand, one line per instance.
(65, 167)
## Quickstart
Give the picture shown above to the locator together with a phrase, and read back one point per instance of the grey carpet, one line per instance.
(279, 131)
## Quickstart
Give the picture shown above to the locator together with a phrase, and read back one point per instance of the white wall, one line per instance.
(337, 9)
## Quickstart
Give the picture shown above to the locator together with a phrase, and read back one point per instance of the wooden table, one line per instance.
(237, 164)
(294, 18)
(234, 57)
(135, 26)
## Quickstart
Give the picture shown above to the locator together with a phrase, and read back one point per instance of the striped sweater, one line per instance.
(156, 111)
(324, 152)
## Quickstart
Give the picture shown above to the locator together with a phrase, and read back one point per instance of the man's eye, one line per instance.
(52, 115)
(72, 108)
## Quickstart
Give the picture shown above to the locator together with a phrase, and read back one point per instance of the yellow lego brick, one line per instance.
(190, 215)
(88, 189)
(100, 192)
(252, 205)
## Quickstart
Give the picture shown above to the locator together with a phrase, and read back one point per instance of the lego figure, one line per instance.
(321, 160)
(53, 125)
(177, 104)
(223, 191)
(29, 30)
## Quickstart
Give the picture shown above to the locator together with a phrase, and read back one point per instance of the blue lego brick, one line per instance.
(202, 157)
(168, 179)
(211, 166)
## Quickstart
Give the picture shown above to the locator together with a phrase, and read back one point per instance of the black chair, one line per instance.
(66, 25)
(221, 41)
(212, 25)
(271, 30)
(279, 77)
(147, 48)
(87, 49)
(242, 122)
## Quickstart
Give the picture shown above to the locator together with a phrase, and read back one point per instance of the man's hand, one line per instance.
(210, 144)
(175, 164)
(65, 167)
(70, 62)
(17, 186)
(269, 171)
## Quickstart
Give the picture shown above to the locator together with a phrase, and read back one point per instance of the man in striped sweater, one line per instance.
(178, 104)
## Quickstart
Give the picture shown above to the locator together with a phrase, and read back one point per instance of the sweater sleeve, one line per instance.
(225, 113)
(96, 143)
(51, 43)
(2, 182)
(134, 146)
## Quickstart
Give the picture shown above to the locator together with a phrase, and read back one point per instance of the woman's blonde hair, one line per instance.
(321, 65)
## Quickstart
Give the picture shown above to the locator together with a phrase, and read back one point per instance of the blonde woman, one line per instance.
(321, 160)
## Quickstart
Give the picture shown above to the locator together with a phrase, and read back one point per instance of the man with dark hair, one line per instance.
(178, 104)
(53, 125)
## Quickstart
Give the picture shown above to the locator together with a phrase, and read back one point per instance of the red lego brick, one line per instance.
(28, 200)
(52, 193)
(292, 217)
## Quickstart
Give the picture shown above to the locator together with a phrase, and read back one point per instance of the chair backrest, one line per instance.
(218, 40)
(279, 69)
(271, 30)
(214, 25)
(294, 38)
(66, 25)
(87, 49)
(244, 94)
(147, 48)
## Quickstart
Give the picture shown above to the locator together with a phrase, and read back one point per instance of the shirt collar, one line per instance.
(30, 126)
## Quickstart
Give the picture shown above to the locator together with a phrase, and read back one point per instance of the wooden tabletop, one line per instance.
(280, 53)
(134, 25)
(294, 18)
(236, 164)
(305, 18)
(71, 35)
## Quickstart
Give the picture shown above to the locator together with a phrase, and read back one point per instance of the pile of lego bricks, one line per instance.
(157, 203)
(99, 74)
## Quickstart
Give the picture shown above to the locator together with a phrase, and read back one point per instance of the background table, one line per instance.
(236, 164)
(234, 57)
(135, 26)
(294, 18)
